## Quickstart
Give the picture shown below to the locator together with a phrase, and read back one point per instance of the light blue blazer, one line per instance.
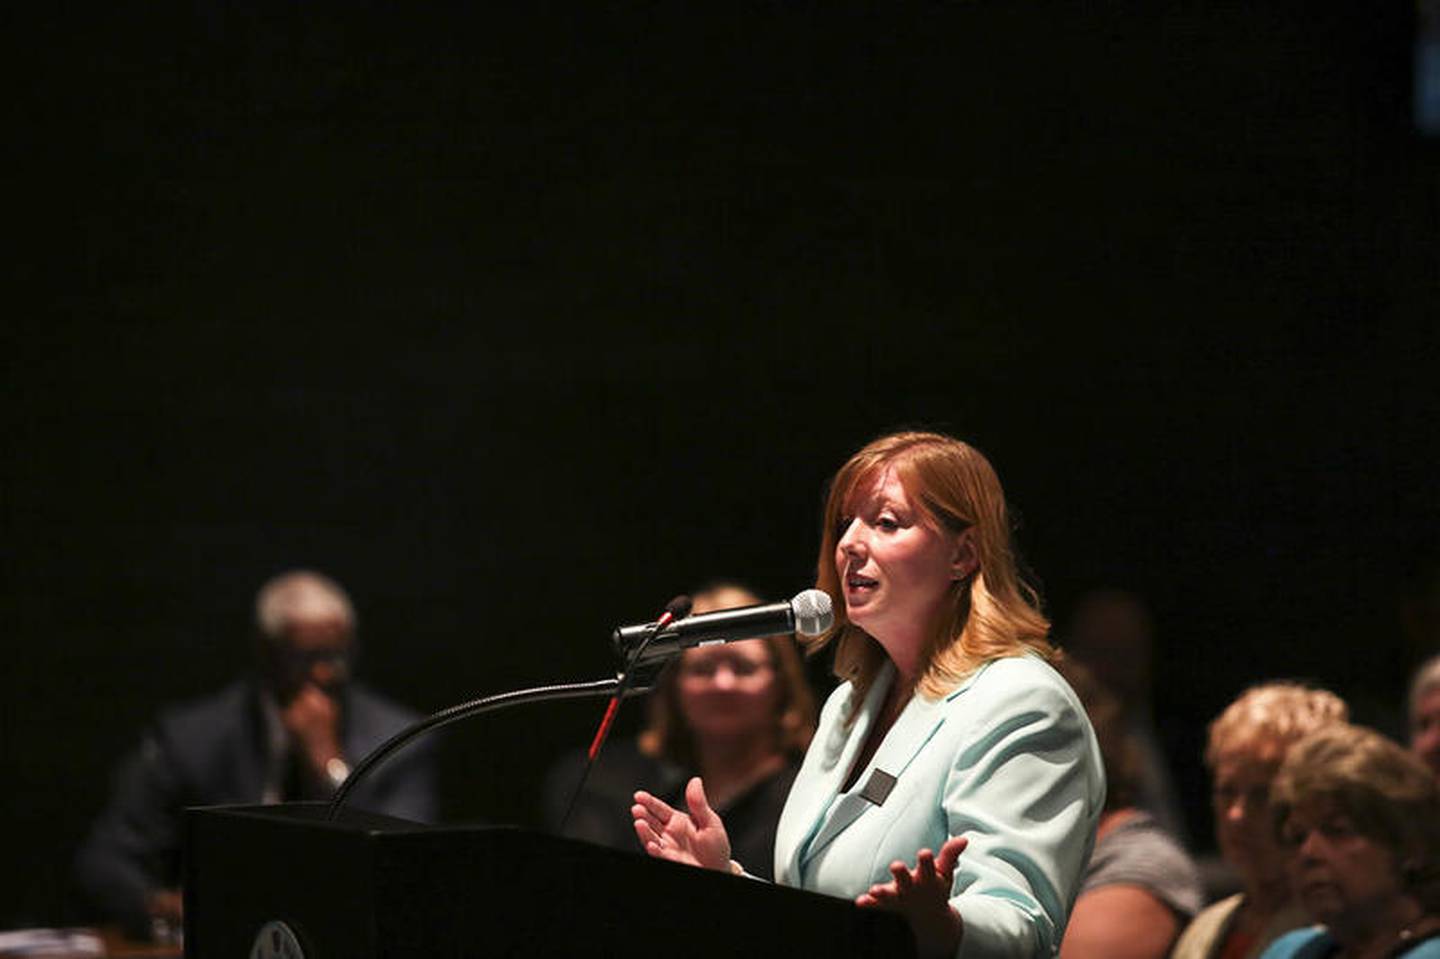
(1007, 759)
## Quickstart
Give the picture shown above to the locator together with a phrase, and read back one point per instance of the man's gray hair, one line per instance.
(300, 594)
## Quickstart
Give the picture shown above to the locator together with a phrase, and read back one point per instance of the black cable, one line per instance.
(678, 608)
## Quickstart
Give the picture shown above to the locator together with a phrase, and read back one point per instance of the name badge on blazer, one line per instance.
(878, 788)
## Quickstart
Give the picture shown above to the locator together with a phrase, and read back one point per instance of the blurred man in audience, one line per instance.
(287, 733)
(1248, 742)
(1140, 887)
(1424, 713)
(1112, 633)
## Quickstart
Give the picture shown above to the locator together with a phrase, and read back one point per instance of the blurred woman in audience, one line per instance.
(738, 714)
(1140, 887)
(1425, 713)
(1247, 744)
(1360, 819)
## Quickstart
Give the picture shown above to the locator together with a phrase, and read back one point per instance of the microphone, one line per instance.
(677, 608)
(810, 613)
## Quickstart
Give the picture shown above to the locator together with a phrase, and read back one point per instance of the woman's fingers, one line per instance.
(880, 893)
(642, 816)
(657, 808)
(950, 855)
(653, 812)
(646, 834)
(700, 812)
(925, 867)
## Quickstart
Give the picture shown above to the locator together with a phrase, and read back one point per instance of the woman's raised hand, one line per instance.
(922, 896)
(698, 839)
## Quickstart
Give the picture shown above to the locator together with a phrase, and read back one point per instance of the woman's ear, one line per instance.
(965, 559)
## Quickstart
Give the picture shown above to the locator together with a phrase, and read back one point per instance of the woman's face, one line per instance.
(1244, 824)
(1343, 879)
(1425, 729)
(895, 569)
(729, 691)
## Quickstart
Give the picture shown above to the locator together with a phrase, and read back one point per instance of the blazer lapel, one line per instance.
(836, 755)
(914, 727)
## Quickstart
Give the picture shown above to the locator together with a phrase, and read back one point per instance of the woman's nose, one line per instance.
(850, 540)
(1309, 846)
(1235, 809)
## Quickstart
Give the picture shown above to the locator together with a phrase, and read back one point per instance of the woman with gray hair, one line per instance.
(1248, 742)
(1360, 819)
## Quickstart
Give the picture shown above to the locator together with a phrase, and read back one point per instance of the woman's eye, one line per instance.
(887, 523)
(1338, 828)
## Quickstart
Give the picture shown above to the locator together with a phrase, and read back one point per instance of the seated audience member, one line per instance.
(738, 714)
(1360, 820)
(1112, 632)
(1425, 714)
(1247, 744)
(287, 733)
(1140, 887)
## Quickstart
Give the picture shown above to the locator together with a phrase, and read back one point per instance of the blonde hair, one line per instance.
(991, 614)
(668, 736)
(1390, 795)
(1266, 720)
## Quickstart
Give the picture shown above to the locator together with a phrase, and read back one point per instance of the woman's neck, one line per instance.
(1113, 819)
(732, 765)
(1377, 933)
(1266, 898)
(905, 657)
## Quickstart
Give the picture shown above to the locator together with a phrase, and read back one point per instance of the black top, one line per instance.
(602, 813)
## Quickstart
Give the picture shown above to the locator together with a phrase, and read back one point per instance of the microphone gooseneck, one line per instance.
(602, 687)
(646, 646)
(677, 608)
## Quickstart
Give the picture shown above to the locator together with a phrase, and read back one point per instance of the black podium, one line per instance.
(370, 886)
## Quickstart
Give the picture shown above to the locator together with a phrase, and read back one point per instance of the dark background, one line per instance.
(520, 324)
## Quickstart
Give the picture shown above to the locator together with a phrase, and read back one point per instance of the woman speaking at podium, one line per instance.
(954, 777)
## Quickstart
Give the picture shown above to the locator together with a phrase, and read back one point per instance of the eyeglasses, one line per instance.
(305, 658)
(293, 665)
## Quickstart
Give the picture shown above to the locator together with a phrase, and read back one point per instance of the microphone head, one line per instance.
(679, 607)
(814, 613)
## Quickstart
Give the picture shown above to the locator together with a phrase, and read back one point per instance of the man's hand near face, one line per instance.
(313, 721)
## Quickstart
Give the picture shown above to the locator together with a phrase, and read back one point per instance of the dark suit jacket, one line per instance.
(212, 751)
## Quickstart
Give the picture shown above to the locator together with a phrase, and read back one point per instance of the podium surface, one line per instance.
(371, 886)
